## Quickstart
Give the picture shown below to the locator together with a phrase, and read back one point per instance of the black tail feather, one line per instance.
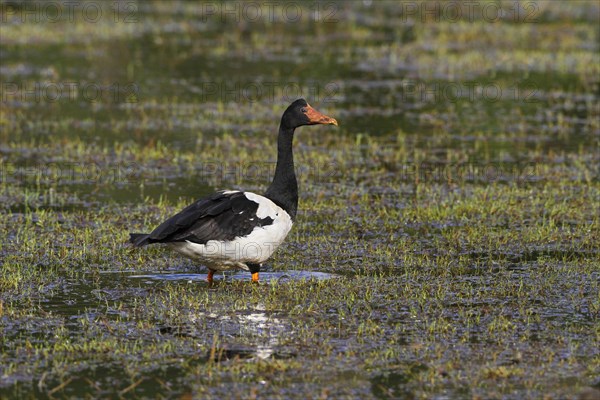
(139, 239)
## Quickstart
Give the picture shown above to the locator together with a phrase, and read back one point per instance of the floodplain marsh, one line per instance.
(447, 238)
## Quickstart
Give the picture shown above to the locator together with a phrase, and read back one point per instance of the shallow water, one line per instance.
(265, 277)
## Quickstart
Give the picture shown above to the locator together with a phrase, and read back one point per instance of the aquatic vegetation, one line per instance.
(447, 234)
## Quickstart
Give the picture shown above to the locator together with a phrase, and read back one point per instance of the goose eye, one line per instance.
(303, 109)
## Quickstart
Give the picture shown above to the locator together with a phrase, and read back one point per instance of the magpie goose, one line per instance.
(236, 229)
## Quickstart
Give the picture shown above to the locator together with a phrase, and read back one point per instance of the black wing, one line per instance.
(223, 216)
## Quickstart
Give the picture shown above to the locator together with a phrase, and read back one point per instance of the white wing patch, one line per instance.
(266, 208)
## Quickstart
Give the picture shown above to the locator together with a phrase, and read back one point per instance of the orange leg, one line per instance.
(255, 277)
(209, 277)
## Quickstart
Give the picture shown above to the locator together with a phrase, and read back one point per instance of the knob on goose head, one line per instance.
(300, 113)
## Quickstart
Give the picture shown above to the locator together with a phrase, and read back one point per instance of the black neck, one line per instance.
(284, 188)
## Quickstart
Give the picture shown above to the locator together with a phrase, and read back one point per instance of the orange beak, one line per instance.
(316, 117)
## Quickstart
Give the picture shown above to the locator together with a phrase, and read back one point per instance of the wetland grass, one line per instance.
(463, 233)
(489, 290)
